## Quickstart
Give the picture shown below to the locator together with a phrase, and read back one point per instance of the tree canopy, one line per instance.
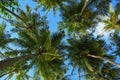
(74, 46)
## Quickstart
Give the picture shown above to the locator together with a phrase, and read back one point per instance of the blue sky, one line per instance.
(52, 21)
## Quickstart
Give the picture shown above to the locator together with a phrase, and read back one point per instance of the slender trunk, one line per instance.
(85, 4)
(104, 59)
(11, 61)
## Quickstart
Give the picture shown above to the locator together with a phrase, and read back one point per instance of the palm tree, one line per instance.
(78, 16)
(88, 55)
(45, 52)
(113, 21)
(73, 18)
(38, 48)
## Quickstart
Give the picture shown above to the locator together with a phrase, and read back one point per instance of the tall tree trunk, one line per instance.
(85, 4)
(104, 59)
(11, 61)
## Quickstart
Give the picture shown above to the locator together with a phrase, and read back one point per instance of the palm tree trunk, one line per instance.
(85, 4)
(11, 61)
(104, 59)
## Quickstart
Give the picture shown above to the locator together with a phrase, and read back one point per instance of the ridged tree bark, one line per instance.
(104, 59)
(85, 4)
(11, 61)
